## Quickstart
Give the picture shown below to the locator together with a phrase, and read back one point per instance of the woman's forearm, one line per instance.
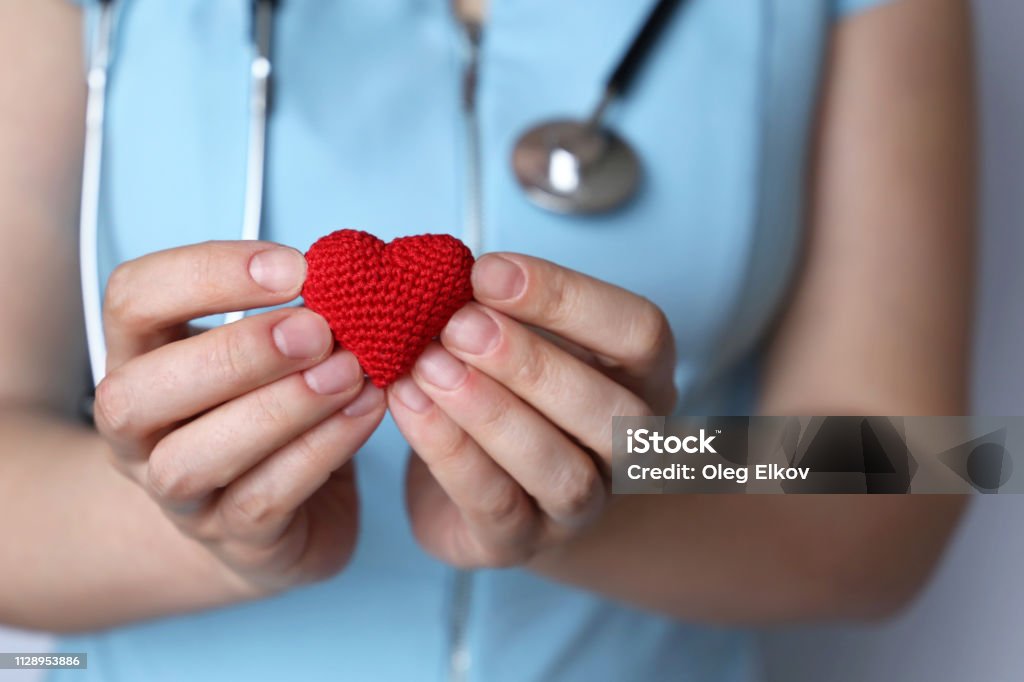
(879, 319)
(758, 559)
(80, 546)
(83, 547)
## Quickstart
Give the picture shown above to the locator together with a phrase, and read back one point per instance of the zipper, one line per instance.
(459, 660)
(472, 33)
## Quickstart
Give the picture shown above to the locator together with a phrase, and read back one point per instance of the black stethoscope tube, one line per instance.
(625, 72)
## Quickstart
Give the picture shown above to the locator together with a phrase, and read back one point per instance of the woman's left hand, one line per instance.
(512, 424)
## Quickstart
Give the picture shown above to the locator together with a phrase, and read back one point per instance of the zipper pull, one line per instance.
(472, 33)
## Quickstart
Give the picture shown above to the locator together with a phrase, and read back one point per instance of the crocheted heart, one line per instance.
(385, 302)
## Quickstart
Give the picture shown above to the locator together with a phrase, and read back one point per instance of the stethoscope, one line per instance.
(568, 166)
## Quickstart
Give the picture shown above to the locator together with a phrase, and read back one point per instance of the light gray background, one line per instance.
(970, 623)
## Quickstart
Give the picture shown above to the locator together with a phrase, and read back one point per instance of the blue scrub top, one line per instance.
(367, 132)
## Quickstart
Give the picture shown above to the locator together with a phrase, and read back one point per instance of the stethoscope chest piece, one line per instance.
(581, 166)
(575, 167)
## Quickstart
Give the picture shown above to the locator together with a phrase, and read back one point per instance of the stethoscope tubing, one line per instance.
(92, 171)
(260, 74)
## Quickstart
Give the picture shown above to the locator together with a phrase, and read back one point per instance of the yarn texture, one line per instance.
(384, 302)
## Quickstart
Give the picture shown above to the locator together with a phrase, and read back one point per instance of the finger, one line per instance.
(573, 349)
(149, 300)
(551, 468)
(206, 454)
(260, 504)
(317, 541)
(576, 397)
(621, 328)
(186, 377)
(496, 523)
(446, 532)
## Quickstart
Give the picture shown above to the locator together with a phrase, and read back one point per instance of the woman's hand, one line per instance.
(242, 434)
(512, 425)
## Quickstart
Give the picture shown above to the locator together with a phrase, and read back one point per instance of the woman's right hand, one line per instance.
(243, 434)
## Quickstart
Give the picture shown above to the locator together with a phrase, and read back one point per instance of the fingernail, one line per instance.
(368, 400)
(410, 395)
(498, 278)
(302, 335)
(335, 374)
(441, 368)
(472, 330)
(278, 269)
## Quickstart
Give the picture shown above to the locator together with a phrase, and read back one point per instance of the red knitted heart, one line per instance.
(385, 302)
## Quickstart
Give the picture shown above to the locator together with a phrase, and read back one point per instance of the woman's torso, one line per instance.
(368, 132)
